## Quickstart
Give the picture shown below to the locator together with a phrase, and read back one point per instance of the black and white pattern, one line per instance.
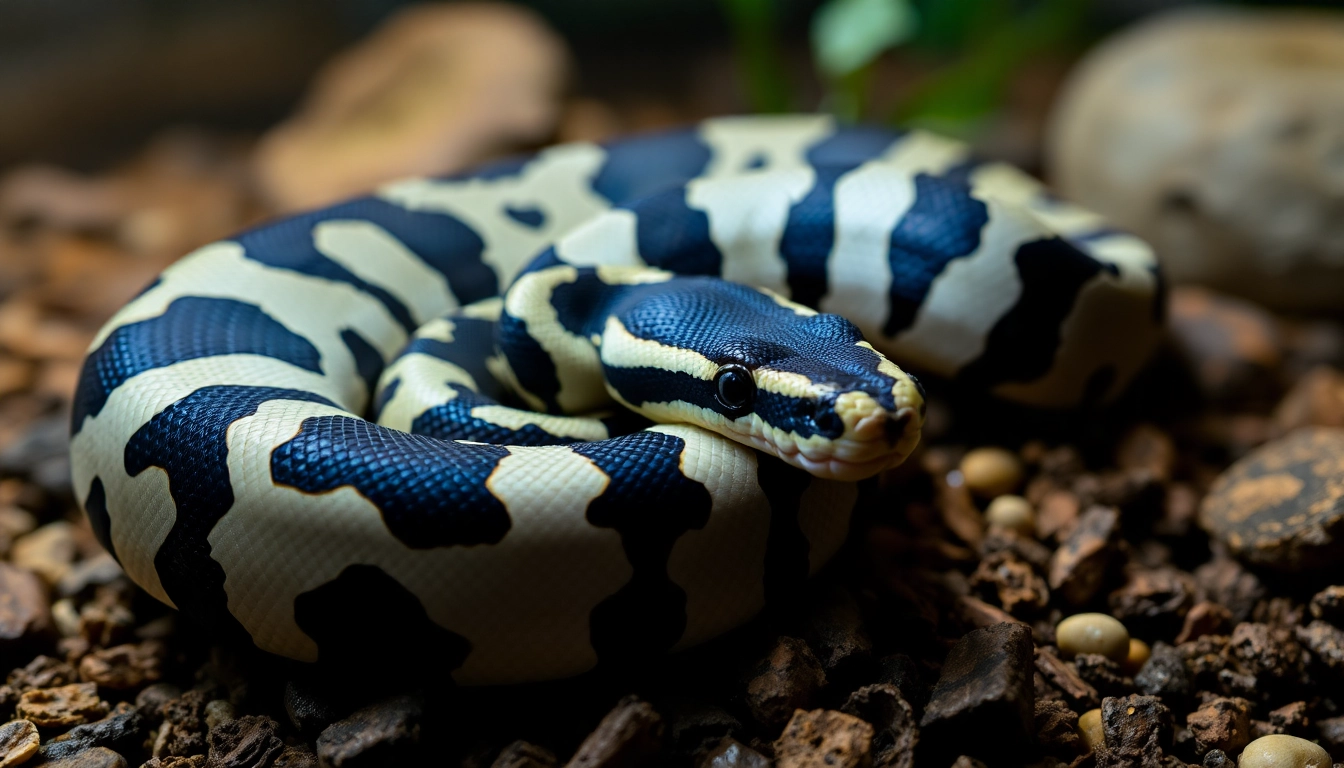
(221, 451)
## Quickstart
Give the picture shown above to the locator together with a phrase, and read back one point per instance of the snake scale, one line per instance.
(531, 419)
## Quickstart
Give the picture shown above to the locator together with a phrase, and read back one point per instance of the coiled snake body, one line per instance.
(221, 450)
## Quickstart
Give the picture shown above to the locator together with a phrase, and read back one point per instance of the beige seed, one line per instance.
(991, 472)
(1092, 633)
(1089, 727)
(1012, 513)
(1282, 751)
(1138, 656)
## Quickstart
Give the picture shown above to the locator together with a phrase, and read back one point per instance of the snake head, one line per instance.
(765, 372)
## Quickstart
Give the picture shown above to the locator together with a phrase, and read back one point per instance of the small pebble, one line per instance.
(1139, 652)
(1283, 751)
(1093, 633)
(1089, 726)
(218, 711)
(990, 472)
(1012, 513)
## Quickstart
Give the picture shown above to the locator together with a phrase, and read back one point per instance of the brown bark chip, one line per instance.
(1153, 601)
(1204, 618)
(98, 757)
(893, 721)
(62, 707)
(122, 731)
(631, 733)
(1328, 605)
(1079, 565)
(824, 738)
(380, 734)
(1225, 582)
(1326, 643)
(1064, 676)
(1221, 723)
(183, 731)
(123, 667)
(1135, 731)
(245, 742)
(835, 629)
(1269, 653)
(784, 681)
(176, 761)
(1057, 729)
(18, 742)
(987, 688)
(24, 610)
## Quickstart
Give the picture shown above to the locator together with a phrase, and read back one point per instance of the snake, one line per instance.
(584, 407)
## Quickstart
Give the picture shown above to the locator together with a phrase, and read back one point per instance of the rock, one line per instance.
(697, 727)
(1221, 723)
(1290, 718)
(1326, 643)
(1139, 653)
(183, 731)
(986, 687)
(245, 742)
(836, 631)
(1316, 400)
(630, 734)
(990, 472)
(1197, 133)
(1217, 758)
(123, 667)
(1103, 674)
(18, 742)
(1092, 633)
(1079, 566)
(1204, 618)
(98, 757)
(1328, 604)
(1270, 653)
(1164, 675)
(1135, 730)
(522, 754)
(1149, 449)
(151, 700)
(178, 761)
(1332, 733)
(1281, 507)
(1064, 676)
(784, 681)
(731, 753)
(63, 706)
(435, 89)
(1223, 581)
(100, 569)
(1153, 601)
(309, 707)
(1012, 513)
(824, 738)
(384, 732)
(1089, 728)
(1005, 577)
(1278, 751)
(47, 551)
(122, 731)
(1056, 514)
(906, 675)
(1231, 347)
(25, 613)
(218, 711)
(893, 720)
(1057, 729)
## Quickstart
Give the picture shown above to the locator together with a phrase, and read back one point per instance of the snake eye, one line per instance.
(736, 387)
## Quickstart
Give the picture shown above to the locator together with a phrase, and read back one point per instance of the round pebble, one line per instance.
(991, 472)
(1139, 652)
(1089, 727)
(1093, 633)
(218, 711)
(1282, 751)
(1012, 513)
(1282, 506)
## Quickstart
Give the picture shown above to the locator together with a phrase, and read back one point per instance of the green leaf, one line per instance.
(847, 35)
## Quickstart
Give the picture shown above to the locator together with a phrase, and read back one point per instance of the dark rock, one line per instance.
(244, 742)
(1291, 719)
(1204, 618)
(836, 631)
(986, 688)
(893, 720)
(1153, 601)
(183, 732)
(382, 733)
(1012, 582)
(1269, 653)
(150, 701)
(42, 672)
(296, 757)
(1078, 567)
(1205, 658)
(177, 761)
(1231, 346)
(1331, 731)
(123, 667)
(1328, 605)
(1221, 723)
(631, 733)
(1223, 581)
(523, 754)
(98, 757)
(1064, 676)
(906, 675)
(1164, 675)
(696, 727)
(733, 754)
(784, 681)
(1326, 642)
(824, 738)
(1148, 448)
(309, 707)
(1102, 674)
(1281, 507)
(1135, 731)
(1217, 758)
(25, 613)
(120, 731)
(1057, 729)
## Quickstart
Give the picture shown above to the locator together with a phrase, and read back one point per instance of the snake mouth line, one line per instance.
(844, 459)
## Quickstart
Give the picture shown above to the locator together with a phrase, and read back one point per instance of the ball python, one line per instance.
(583, 407)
